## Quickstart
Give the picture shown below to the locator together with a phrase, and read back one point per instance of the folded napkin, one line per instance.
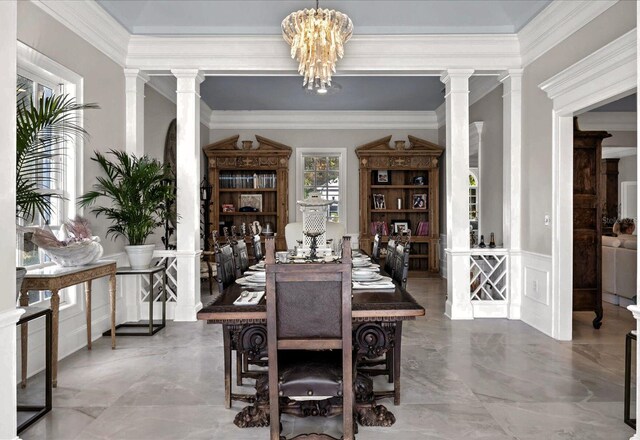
(373, 285)
(250, 299)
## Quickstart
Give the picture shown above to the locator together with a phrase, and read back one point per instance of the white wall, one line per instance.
(103, 84)
(537, 117)
(326, 139)
(627, 172)
(489, 110)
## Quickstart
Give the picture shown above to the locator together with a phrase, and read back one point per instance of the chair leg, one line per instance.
(239, 357)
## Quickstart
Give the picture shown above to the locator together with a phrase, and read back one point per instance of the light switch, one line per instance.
(547, 219)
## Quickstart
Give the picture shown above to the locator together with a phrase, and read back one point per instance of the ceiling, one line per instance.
(356, 93)
(262, 17)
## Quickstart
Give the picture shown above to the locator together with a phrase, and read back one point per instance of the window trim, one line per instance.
(44, 70)
(342, 154)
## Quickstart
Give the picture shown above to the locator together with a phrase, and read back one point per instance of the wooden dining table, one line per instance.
(377, 315)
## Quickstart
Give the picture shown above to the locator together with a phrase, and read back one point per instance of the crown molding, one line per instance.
(555, 23)
(609, 121)
(271, 119)
(91, 23)
(370, 54)
(581, 84)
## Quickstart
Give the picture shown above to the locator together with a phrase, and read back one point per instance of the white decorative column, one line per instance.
(458, 305)
(188, 183)
(134, 144)
(512, 183)
(134, 112)
(8, 313)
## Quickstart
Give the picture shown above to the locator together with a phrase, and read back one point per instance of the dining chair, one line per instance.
(225, 269)
(240, 255)
(375, 252)
(310, 339)
(400, 270)
(391, 254)
(257, 248)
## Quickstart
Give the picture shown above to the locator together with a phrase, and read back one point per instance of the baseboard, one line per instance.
(625, 302)
(611, 298)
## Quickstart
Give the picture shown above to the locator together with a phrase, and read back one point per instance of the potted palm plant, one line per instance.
(139, 191)
(43, 129)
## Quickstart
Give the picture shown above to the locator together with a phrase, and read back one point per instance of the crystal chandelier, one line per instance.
(317, 37)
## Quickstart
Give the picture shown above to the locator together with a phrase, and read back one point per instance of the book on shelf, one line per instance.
(379, 227)
(255, 181)
(422, 229)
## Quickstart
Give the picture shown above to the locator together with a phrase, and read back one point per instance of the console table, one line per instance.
(55, 278)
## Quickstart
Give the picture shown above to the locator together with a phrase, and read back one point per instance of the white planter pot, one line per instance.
(140, 256)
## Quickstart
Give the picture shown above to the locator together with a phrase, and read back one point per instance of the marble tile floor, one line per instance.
(482, 379)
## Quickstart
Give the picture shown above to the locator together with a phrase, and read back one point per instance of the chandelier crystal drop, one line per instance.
(317, 38)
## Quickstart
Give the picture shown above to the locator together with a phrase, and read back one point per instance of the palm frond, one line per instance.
(42, 131)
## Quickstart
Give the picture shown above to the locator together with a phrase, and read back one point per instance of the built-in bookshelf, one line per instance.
(249, 184)
(399, 190)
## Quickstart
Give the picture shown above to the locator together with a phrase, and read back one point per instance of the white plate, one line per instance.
(258, 267)
(256, 279)
(361, 263)
(247, 282)
(366, 277)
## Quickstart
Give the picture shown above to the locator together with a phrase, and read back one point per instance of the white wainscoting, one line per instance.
(536, 298)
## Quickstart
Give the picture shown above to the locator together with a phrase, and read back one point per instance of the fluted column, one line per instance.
(134, 111)
(188, 184)
(458, 305)
(512, 183)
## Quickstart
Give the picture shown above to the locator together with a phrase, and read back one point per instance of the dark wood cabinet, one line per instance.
(245, 176)
(587, 221)
(400, 185)
(609, 194)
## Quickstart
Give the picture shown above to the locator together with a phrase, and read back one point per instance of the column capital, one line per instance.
(135, 73)
(195, 74)
(447, 75)
(510, 74)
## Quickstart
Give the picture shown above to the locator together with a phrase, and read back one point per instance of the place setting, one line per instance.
(255, 279)
(370, 279)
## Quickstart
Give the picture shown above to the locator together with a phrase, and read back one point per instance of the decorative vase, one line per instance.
(78, 253)
(140, 256)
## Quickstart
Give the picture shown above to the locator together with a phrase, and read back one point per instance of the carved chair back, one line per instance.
(240, 256)
(257, 248)
(225, 270)
(309, 308)
(400, 271)
(375, 253)
(391, 254)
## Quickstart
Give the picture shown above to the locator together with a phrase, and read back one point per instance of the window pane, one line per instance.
(24, 88)
(334, 163)
(308, 163)
(321, 179)
(321, 163)
(309, 179)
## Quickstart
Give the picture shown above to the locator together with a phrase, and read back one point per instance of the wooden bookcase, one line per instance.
(236, 170)
(403, 167)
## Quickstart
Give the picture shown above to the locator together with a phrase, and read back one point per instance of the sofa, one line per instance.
(619, 269)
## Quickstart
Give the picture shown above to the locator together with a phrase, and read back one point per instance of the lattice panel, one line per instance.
(172, 280)
(488, 277)
(315, 219)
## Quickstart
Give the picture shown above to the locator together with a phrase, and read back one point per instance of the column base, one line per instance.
(187, 313)
(458, 306)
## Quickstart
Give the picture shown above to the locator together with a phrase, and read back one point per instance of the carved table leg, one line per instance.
(24, 340)
(397, 355)
(55, 308)
(226, 338)
(87, 298)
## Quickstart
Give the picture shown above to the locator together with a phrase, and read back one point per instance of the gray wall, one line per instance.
(537, 117)
(627, 172)
(103, 84)
(489, 110)
(320, 139)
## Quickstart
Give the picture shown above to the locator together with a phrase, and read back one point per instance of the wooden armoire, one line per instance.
(587, 221)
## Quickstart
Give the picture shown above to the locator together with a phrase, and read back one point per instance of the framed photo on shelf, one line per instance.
(251, 201)
(419, 201)
(378, 201)
(228, 207)
(400, 226)
(382, 177)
